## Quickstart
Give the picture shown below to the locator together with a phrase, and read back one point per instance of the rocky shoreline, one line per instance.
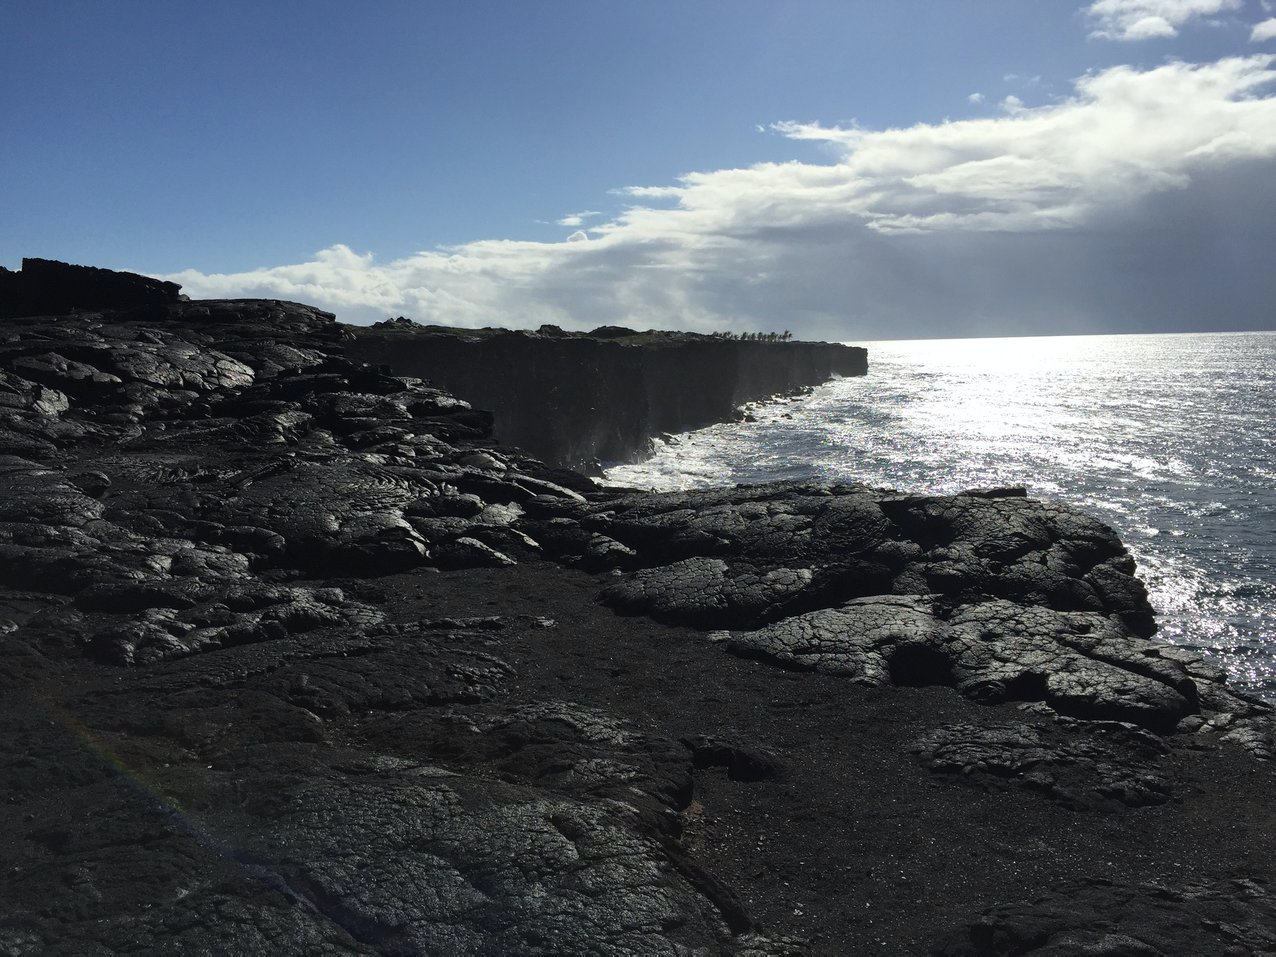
(295, 658)
(578, 399)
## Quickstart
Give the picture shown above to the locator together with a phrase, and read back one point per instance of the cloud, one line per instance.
(578, 219)
(1149, 19)
(1142, 201)
(1012, 104)
(1263, 31)
(975, 98)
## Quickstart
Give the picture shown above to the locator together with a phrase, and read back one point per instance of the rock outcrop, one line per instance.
(574, 399)
(46, 287)
(294, 657)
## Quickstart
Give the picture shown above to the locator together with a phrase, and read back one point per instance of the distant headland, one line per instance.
(575, 398)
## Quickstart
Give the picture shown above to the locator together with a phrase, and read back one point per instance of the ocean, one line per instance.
(1170, 439)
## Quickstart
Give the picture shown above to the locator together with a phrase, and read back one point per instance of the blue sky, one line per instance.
(856, 168)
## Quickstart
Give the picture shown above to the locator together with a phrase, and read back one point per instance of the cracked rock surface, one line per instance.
(997, 595)
(1114, 762)
(1233, 917)
(295, 658)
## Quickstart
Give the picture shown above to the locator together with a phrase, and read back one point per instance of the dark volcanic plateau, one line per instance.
(575, 398)
(295, 658)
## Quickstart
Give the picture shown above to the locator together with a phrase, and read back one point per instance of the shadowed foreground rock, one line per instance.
(295, 658)
(45, 286)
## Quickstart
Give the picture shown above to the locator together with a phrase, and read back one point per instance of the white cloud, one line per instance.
(578, 219)
(1012, 104)
(975, 98)
(1122, 203)
(1149, 19)
(1263, 31)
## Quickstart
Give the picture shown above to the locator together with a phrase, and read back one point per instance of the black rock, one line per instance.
(295, 656)
(45, 287)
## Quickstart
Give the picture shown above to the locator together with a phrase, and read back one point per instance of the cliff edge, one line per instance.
(575, 399)
(48, 287)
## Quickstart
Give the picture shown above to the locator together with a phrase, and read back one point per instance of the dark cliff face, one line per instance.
(574, 400)
(46, 287)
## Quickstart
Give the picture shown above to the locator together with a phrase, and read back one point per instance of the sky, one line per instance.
(843, 169)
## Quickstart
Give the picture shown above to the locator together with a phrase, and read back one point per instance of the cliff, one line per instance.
(576, 399)
(294, 659)
(47, 287)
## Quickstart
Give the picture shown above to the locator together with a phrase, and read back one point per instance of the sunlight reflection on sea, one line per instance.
(1167, 438)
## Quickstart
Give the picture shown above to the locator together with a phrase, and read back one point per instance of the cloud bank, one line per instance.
(1149, 19)
(1141, 202)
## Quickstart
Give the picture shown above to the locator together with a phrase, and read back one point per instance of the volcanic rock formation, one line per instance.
(46, 287)
(294, 657)
(574, 399)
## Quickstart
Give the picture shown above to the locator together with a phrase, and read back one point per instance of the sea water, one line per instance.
(1170, 439)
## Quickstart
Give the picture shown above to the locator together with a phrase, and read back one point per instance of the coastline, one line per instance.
(295, 656)
(576, 399)
(1094, 424)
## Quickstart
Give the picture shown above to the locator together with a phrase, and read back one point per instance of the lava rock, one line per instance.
(1082, 771)
(45, 287)
(1101, 917)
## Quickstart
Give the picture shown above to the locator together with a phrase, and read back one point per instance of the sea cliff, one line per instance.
(295, 658)
(575, 399)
